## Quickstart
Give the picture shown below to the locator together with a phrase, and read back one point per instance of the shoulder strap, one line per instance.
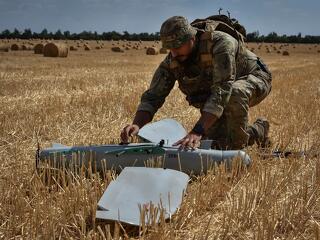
(174, 64)
(205, 49)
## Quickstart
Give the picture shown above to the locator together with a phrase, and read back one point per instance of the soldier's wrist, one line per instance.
(198, 129)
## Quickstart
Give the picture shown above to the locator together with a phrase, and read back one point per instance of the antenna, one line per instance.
(220, 9)
(228, 13)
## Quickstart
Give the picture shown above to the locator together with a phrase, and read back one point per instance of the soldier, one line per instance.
(218, 75)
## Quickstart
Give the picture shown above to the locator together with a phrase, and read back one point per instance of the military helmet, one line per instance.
(175, 31)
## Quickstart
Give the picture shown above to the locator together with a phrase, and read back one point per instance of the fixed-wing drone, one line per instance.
(139, 185)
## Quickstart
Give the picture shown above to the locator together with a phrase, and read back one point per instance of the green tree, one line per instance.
(15, 33)
(5, 34)
(58, 35)
(44, 34)
(27, 34)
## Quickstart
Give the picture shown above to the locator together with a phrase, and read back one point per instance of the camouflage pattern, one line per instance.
(221, 77)
(175, 31)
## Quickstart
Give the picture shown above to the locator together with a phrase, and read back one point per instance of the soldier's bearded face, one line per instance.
(183, 52)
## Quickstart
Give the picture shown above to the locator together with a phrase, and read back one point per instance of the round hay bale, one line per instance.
(278, 52)
(128, 48)
(152, 51)
(98, 47)
(26, 47)
(87, 47)
(38, 49)
(4, 48)
(15, 47)
(117, 49)
(285, 53)
(318, 51)
(55, 50)
(268, 50)
(73, 48)
(163, 51)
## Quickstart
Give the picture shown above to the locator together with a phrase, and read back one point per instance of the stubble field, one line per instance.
(89, 96)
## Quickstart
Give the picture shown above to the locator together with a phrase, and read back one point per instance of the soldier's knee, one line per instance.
(262, 88)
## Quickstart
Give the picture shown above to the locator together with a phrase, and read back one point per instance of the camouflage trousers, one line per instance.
(232, 130)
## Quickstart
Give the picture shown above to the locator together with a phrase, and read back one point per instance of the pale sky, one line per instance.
(135, 16)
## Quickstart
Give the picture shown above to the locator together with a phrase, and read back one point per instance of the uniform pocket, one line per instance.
(261, 90)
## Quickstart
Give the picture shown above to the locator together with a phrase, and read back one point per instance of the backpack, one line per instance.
(221, 23)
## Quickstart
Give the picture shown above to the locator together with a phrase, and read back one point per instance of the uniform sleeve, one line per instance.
(153, 98)
(224, 72)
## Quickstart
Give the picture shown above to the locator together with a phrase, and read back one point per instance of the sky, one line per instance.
(136, 16)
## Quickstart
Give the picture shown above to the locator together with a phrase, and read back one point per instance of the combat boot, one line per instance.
(262, 126)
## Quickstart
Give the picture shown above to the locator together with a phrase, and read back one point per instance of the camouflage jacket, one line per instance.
(206, 77)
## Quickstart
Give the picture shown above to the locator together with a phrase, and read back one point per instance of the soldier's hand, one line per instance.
(192, 140)
(129, 131)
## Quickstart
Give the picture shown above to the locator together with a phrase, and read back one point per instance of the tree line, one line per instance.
(274, 37)
(85, 35)
(113, 35)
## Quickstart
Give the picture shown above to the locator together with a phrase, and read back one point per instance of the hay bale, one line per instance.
(163, 51)
(55, 50)
(318, 51)
(117, 49)
(15, 47)
(4, 48)
(73, 48)
(278, 52)
(285, 53)
(26, 47)
(98, 47)
(87, 47)
(152, 51)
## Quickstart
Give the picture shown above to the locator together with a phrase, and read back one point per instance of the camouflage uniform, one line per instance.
(220, 77)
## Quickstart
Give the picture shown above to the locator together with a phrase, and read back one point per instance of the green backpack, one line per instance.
(221, 23)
